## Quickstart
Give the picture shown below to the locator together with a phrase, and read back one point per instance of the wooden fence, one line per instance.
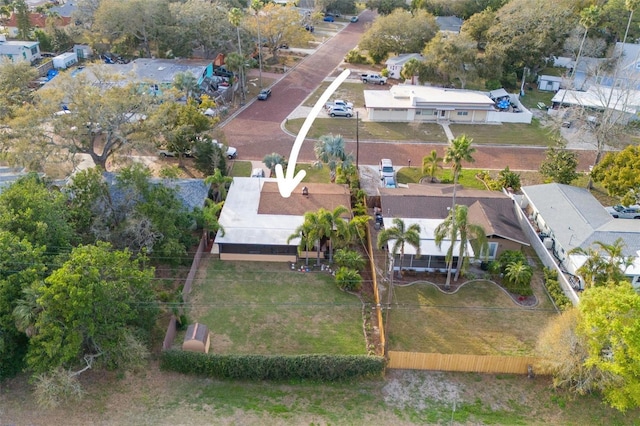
(376, 294)
(170, 335)
(457, 362)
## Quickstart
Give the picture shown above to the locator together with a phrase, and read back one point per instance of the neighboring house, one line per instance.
(626, 103)
(257, 221)
(19, 50)
(8, 175)
(37, 20)
(449, 24)
(159, 74)
(549, 83)
(192, 192)
(395, 64)
(568, 217)
(429, 204)
(410, 103)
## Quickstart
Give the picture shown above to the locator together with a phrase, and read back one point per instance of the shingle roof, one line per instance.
(491, 209)
(320, 195)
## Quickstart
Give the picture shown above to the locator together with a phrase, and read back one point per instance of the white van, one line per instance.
(386, 168)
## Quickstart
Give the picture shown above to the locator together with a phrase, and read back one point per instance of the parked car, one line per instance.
(623, 212)
(354, 19)
(373, 78)
(257, 172)
(230, 151)
(386, 169)
(264, 94)
(340, 111)
(389, 182)
(329, 19)
(338, 102)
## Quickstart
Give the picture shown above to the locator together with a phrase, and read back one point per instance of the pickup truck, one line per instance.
(338, 102)
(373, 78)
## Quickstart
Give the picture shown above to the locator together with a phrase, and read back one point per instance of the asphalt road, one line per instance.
(256, 130)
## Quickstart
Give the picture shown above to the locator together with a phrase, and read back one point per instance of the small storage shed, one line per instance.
(65, 60)
(549, 83)
(197, 338)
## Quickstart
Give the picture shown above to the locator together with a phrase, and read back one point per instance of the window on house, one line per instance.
(34, 50)
(492, 249)
(463, 112)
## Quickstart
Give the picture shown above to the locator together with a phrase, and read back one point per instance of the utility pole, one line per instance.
(357, 139)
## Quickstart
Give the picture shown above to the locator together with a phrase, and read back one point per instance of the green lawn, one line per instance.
(241, 169)
(505, 134)
(367, 130)
(265, 308)
(479, 319)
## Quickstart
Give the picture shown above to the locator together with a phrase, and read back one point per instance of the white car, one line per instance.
(622, 212)
(340, 111)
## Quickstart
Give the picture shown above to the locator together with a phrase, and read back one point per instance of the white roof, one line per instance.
(598, 96)
(411, 96)
(403, 58)
(428, 245)
(243, 224)
(550, 78)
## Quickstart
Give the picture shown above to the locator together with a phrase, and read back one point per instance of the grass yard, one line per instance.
(350, 92)
(479, 319)
(266, 308)
(367, 130)
(505, 134)
(314, 174)
(240, 169)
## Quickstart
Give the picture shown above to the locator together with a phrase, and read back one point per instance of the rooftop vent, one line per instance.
(305, 191)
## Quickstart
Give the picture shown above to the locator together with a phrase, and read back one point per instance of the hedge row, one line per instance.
(272, 367)
(554, 289)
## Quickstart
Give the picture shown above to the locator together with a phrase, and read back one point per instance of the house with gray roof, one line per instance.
(429, 204)
(569, 217)
(257, 221)
(395, 63)
(449, 24)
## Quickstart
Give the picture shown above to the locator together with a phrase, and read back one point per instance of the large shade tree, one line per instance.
(619, 173)
(399, 32)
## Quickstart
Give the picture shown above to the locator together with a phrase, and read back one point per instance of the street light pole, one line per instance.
(255, 3)
(357, 139)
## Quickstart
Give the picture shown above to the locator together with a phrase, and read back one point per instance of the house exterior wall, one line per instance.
(259, 257)
(548, 86)
(504, 244)
(394, 71)
(509, 117)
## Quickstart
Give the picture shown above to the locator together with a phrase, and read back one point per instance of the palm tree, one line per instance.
(605, 263)
(271, 160)
(218, 184)
(459, 150)
(305, 233)
(210, 214)
(337, 229)
(401, 235)
(456, 227)
(187, 83)
(330, 150)
(589, 17)
(316, 230)
(519, 274)
(410, 69)
(235, 18)
(430, 165)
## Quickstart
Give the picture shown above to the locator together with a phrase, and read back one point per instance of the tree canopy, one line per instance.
(399, 32)
(619, 173)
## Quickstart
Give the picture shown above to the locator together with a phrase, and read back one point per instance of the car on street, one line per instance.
(340, 111)
(329, 19)
(257, 172)
(624, 212)
(354, 19)
(264, 94)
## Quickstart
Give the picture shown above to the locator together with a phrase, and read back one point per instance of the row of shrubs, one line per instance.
(554, 289)
(273, 367)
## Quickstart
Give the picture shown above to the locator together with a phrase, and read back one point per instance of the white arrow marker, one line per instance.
(286, 185)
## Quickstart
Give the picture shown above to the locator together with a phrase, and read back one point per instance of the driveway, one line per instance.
(256, 130)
